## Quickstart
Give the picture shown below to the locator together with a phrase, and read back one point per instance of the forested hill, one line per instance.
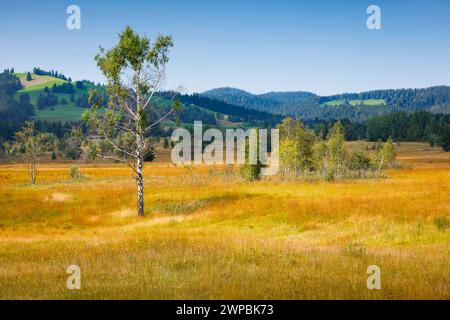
(354, 106)
(235, 112)
(273, 102)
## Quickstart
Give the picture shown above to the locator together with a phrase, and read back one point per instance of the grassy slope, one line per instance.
(59, 112)
(369, 102)
(38, 83)
(210, 235)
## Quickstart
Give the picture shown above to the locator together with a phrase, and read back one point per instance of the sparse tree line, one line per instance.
(305, 154)
(421, 126)
(64, 146)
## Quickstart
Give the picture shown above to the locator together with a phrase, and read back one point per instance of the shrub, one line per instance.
(441, 223)
(360, 161)
(74, 173)
(251, 172)
(356, 249)
(166, 143)
(149, 154)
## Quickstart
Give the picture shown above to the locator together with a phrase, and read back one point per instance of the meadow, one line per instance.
(356, 102)
(208, 234)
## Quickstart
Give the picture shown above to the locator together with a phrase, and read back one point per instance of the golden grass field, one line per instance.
(207, 234)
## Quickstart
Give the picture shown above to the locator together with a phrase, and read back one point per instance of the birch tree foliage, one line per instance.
(336, 150)
(296, 146)
(120, 127)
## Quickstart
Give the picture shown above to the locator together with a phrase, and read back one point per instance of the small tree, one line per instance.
(336, 150)
(31, 145)
(75, 173)
(360, 162)
(250, 170)
(29, 78)
(166, 143)
(134, 70)
(296, 146)
(386, 155)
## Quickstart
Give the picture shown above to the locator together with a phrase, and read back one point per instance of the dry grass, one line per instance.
(206, 235)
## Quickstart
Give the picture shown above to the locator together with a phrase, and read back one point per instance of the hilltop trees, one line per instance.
(51, 73)
(134, 70)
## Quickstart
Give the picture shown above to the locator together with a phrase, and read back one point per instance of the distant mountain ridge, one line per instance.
(353, 106)
(271, 102)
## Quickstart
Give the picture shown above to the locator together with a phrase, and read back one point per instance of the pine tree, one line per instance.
(165, 143)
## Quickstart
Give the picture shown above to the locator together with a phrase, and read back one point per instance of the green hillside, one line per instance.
(58, 112)
(70, 111)
(357, 102)
(38, 82)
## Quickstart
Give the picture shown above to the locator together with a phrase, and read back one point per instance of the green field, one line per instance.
(369, 102)
(68, 112)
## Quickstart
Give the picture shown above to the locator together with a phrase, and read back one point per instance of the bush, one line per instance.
(74, 173)
(441, 223)
(53, 155)
(360, 161)
(149, 155)
(251, 172)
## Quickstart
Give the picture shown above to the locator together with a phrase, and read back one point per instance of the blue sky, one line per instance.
(259, 46)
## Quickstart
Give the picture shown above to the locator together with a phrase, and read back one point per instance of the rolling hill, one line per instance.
(67, 107)
(353, 106)
(60, 111)
(233, 107)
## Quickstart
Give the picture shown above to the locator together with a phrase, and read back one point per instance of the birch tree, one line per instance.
(120, 129)
(336, 150)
